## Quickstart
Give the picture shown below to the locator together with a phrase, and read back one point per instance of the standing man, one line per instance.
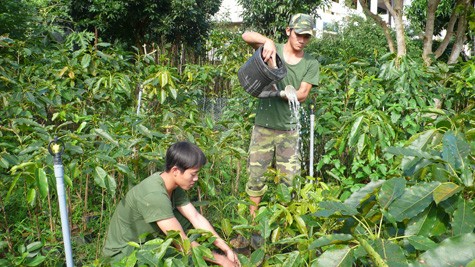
(160, 204)
(275, 133)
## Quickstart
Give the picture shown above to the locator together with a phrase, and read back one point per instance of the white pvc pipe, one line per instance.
(140, 99)
(312, 126)
(58, 173)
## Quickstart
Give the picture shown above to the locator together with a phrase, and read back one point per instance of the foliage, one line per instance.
(416, 13)
(345, 42)
(272, 17)
(17, 18)
(394, 171)
(146, 22)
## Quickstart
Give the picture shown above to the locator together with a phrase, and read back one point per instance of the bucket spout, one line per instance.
(267, 94)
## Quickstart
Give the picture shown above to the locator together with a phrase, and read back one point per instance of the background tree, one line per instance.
(395, 8)
(346, 43)
(431, 18)
(141, 22)
(16, 18)
(271, 17)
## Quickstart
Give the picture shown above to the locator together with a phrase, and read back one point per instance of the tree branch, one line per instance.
(429, 30)
(380, 22)
(449, 31)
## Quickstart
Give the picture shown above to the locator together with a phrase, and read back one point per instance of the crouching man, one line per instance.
(160, 204)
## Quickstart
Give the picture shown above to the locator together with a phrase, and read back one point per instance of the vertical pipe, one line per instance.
(312, 127)
(139, 99)
(56, 150)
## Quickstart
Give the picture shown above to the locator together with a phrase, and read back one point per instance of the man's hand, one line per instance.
(232, 256)
(269, 51)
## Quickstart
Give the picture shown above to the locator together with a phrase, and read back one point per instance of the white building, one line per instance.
(334, 13)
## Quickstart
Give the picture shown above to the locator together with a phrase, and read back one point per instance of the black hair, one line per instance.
(184, 155)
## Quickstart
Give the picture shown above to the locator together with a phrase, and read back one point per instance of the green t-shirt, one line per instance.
(137, 214)
(274, 112)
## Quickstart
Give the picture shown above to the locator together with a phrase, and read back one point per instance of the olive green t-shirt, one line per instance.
(274, 112)
(137, 214)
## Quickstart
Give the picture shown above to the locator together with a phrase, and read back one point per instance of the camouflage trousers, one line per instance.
(271, 148)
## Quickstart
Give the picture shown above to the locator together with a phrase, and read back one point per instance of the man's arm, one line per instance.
(173, 224)
(257, 40)
(303, 91)
(200, 222)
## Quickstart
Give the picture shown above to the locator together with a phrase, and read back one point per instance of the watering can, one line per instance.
(259, 78)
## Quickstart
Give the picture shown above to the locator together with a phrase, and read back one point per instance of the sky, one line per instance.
(232, 8)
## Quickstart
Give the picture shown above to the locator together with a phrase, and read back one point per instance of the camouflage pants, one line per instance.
(266, 146)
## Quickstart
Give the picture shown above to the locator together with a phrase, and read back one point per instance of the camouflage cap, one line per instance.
(302, 24)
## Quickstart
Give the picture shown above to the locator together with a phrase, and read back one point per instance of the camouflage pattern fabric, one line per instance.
(267, 145)
(302, 24)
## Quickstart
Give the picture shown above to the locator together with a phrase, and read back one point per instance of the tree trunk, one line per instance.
(380, 22)
(460, 35)
(396, 11)
(429, 31)
(449, 31)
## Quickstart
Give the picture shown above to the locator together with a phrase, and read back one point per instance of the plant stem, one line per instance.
(375, 257)
(7, 229)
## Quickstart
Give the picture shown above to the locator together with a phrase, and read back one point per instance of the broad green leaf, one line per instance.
(110, 184)
(467, 177)
(81, 127)
(340, 257)
(410, 152)
(174, 92)
(421, 242)
(31, 197)
(209, 123)
(133, 244)
(455, 150)
(390, 252)
(421, 140)
(360, 145)
(329, 208)
(353, 137)
(301, 224)
(275, 236)
(257, 257)
(21, 166)
(163, 96)
(12, 186)
(415, 166)
(330, 240)
(28, 122)
(431, 222)
(145, 131)
(445, 190)
(463, 218)
(363, 193)
(226, 226)
(198, 255)
(131, 259)
(37, 260)
(100, 176)
(147, 257)
(162, 248)
(283, 193)
(454, 251)
(414, 200)
(42, 181)
(292, 259)
(391, 190)
(106, 135)
(86, 59)
(32, 247)
(434, 111)
(164, 77)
